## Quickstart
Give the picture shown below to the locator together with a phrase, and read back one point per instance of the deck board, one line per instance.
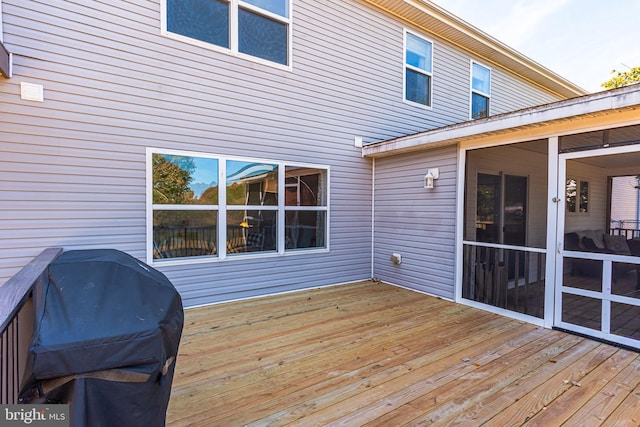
(373, 354)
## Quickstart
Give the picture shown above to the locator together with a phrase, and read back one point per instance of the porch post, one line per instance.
(553, 245)
(460, 191)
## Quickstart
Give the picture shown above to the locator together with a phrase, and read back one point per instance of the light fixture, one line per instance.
(430, 177)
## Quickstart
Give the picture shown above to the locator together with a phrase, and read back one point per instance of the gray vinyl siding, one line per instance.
(509, 94)
(72, 169)
(416, 222)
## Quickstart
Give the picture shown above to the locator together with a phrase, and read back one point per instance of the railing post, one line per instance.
(16, 322)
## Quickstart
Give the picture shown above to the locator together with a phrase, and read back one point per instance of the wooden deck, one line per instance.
(376, 355)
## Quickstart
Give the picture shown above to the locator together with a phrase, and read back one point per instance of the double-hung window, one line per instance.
(209, 207)
(258, 28)
(480, 91)
(418, 65)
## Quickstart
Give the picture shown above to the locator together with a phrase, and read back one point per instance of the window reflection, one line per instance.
(577, 196)
(305, 187)
(262, 37)
(251, 231)
(571, 195)
(186, 208)
(418, 68)
(480, 91)
(279, 7)
(481, 76)
(418, 52)
(251, 183)
(179, 180)
(179, 234)
(479, 106)
(305, 229)
(584, 196)
(206, 20)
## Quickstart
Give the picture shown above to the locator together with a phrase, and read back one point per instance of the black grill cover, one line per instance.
(106, 337)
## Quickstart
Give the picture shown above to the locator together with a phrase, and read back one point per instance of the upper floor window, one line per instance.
(418, 59)
(208, 207)
(259, 28)
(480, 91)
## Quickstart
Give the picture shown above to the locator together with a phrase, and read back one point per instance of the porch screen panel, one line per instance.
(504, 255)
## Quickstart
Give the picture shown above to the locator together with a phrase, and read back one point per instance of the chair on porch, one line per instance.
(490, 277)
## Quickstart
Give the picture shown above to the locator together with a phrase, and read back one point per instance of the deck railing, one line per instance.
(629, 233)
(16, 322)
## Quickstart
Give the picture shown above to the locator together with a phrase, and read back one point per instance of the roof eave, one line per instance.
(601, 103)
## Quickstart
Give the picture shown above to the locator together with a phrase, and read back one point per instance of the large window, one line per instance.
(480, 91)
(418, 69)
(259, 28)
(207, 207)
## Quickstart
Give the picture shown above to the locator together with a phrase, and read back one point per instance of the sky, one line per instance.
(581, 40)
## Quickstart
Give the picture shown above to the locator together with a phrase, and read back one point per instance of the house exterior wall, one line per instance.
(73, 168)
(624, 202)
(416, 222)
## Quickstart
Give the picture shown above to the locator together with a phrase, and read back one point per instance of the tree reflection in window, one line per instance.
(577, 196)
(189, 220)
(584, 196)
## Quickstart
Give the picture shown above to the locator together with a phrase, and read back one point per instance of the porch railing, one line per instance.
(629, 233)
(16, 322)
(504, 276)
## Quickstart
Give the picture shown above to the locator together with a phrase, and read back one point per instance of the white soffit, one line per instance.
(613, 106)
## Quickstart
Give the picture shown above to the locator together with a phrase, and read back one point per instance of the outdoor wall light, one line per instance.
(430, 177)
(396, 258)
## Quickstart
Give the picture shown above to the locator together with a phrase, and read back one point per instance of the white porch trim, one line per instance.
(619, 107)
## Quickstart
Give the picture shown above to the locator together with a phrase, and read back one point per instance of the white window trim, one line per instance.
(472, 90)
(233, 33)
(221, 208)
(419, 70)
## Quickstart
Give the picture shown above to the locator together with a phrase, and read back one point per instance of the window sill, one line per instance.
(228, 51)
(416, 104)
(233, 257)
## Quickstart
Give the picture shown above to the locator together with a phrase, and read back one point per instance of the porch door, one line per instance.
(515, 220)
(504, 212)
(597, 289)
(504, 205)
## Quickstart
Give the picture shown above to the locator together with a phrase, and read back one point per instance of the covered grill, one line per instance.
(107, 330)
